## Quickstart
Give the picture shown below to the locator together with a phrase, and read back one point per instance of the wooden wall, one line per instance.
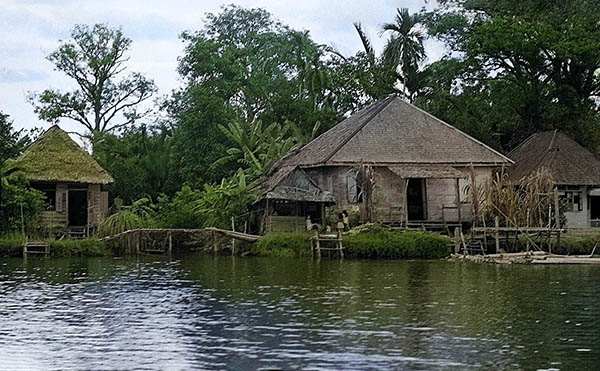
(97, 206)
(389, 193)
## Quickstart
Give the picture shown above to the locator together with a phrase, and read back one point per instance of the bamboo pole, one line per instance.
(233, 239)
(497, 233)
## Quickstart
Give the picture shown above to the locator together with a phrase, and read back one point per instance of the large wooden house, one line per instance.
(575, 172)
(71, 180)
(422, 167)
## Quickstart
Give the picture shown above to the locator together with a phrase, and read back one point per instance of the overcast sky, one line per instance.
(30, 30)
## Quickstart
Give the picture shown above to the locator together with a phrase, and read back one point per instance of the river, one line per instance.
(205, 312)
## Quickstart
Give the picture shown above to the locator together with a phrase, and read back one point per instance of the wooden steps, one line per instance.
(77, 233)
(36, 248)
(318, 239)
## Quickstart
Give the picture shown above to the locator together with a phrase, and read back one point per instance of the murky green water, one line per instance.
(200, 312)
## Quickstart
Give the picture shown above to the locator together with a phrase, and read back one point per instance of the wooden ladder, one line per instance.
(315, 243)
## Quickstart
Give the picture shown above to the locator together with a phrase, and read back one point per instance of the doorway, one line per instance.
(595, 207)
(415, 199)
(78, 210)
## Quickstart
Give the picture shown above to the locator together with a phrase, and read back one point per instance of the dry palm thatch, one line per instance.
(528, 202)
(366, 179)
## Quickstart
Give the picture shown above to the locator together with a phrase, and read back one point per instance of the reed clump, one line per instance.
(528, 202)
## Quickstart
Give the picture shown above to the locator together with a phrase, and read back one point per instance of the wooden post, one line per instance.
(214, 238)
(557, 215)
(233, 239)
(138, 238)
(456, 240)
(497, 233)
(458, 201)
(405, 206)
(170, 242)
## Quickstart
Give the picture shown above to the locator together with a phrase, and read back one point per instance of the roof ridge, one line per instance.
(460, 132)
(384, 103)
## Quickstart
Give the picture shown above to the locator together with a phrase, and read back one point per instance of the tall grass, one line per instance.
(526, 202)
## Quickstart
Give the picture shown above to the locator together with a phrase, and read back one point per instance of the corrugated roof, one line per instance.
(394, 131)
(55, 157)
(567, 161)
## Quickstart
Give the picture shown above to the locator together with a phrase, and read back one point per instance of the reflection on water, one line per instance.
(229, 313)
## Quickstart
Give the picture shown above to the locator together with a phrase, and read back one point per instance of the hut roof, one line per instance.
(292, 183)
(392, 131)
(567, 161)
(55, 157)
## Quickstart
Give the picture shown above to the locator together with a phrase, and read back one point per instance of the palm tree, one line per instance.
(405, 48)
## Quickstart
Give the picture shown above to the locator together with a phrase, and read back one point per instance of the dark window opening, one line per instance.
(50, 198)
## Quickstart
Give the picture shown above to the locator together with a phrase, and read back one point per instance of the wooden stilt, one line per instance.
(497, 233)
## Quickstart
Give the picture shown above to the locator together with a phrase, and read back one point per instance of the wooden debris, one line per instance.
(535, 257)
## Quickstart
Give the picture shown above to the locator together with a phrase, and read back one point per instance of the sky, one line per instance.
(31, 29)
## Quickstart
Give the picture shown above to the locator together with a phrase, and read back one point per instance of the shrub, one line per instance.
(120, 222)
(366, 241)
(284, 245)
(11, 244)
(377, 242)
(180, 212)
(86, 247)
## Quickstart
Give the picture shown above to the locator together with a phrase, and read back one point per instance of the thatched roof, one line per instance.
(292, 183)
(427, 171)
(392, 131)
(55, 157)
(567, 161)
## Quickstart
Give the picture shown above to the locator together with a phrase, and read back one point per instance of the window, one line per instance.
(50, 197)
(572, 199)
(354, 191)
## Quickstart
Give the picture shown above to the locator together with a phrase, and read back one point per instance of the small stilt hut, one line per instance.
(575, 172)
(72, 181)
(288, 198)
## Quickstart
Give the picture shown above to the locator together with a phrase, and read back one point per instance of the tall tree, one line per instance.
(244, 66)
(106, 100)
(533, 60)
(12, 141)
(404, 50)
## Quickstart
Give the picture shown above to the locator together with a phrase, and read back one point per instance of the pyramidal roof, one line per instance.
(567, 161)
(55, 157)
(392, 131)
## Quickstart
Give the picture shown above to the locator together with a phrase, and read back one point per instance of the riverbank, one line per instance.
(11, 245)
(369, 241)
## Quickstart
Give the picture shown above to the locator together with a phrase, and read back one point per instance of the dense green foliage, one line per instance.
(284, 245)
(21, 205)
(515, 67)
(377, 242)
(12, 142)
(367, 242)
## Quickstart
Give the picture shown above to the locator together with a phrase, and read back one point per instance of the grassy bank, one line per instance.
(370, 241)
(11, 244)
